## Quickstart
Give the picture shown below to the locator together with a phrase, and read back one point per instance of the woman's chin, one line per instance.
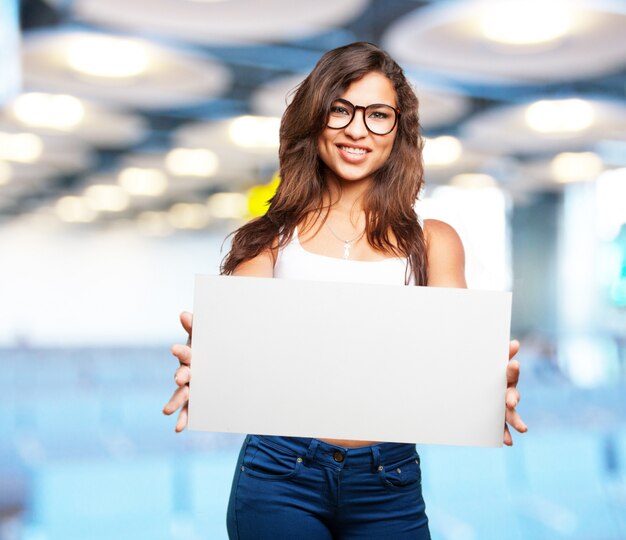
(347, 176)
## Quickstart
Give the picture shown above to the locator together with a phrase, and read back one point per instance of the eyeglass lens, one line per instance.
(379, 118)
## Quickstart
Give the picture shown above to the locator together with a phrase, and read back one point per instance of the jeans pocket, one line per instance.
(401, 474)
(268, 461)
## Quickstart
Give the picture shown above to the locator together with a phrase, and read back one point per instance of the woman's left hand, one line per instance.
(512, 396)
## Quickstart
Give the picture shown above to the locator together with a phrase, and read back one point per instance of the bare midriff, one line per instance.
(348, 443)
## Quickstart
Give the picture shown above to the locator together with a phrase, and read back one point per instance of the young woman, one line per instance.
(351, 171)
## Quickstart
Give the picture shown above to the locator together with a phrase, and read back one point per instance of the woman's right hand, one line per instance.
(182, 376)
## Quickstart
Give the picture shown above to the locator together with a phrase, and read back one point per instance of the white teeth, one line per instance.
(351, 150)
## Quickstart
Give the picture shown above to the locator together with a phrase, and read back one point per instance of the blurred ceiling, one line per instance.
(142, 111)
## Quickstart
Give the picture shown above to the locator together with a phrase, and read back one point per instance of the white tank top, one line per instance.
(295, 262)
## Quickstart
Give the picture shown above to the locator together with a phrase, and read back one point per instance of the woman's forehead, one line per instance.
(371, 88)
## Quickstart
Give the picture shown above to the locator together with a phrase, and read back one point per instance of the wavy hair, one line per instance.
(391, 223)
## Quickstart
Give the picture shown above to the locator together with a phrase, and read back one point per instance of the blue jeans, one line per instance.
(291, 488)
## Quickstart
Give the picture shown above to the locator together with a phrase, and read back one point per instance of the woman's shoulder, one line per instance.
(436, 230)
(260, 266)
(445, 253)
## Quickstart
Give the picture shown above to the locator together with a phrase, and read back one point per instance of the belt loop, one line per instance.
(375, 457)
(310, 453)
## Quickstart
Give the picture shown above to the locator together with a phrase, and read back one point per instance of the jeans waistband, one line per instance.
(370, 456)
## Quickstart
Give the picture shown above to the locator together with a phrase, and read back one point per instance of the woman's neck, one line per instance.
(346, 198)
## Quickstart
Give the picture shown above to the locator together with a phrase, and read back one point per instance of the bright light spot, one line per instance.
(575, 167)
(154, 223)
(560, 116)
(589, 361)
(525, 22)
(610, 197)
(228, 205)
(48, 110)
(107, 56)
(255, 131)
(107, 198)
(191, 162)
(5, 173)
(473, 181)
(74, 210)
(441, 151)
(147, 182)
(189, 216)
(20, 147)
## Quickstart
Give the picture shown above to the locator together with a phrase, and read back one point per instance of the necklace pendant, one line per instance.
(346, 249)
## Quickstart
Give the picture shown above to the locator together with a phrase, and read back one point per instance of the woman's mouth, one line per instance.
(352, 153)
(352, 150)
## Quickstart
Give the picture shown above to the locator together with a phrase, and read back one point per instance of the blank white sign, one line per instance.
(349, 361)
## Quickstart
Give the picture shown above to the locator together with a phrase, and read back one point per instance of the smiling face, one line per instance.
(354, 153)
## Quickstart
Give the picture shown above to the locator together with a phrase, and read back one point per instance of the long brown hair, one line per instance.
(388, 205)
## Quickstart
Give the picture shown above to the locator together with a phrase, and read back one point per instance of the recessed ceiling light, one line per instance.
(143, 181)
(255, 131)
(189, 216)
(191, 162)
(525, 22)
(73, 209)
(560, 116)
(107, 56)
(58, 111)
(576, 166)
(228, 205)
(107, 198)
(20, 147)
(441, 151)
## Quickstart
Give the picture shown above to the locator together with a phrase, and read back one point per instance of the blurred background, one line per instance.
(134, 136)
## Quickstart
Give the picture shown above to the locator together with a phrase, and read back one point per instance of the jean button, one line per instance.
(338, 456)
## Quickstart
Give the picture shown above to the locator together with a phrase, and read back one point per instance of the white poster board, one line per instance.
(349, 361)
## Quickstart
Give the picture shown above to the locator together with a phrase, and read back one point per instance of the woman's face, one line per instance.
(354, 153)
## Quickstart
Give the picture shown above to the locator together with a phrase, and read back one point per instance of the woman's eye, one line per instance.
(379, 115)
(336, 109)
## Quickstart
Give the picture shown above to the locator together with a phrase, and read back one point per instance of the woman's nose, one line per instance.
(357, 128)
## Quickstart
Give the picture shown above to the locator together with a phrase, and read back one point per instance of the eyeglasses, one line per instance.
(379, 118)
